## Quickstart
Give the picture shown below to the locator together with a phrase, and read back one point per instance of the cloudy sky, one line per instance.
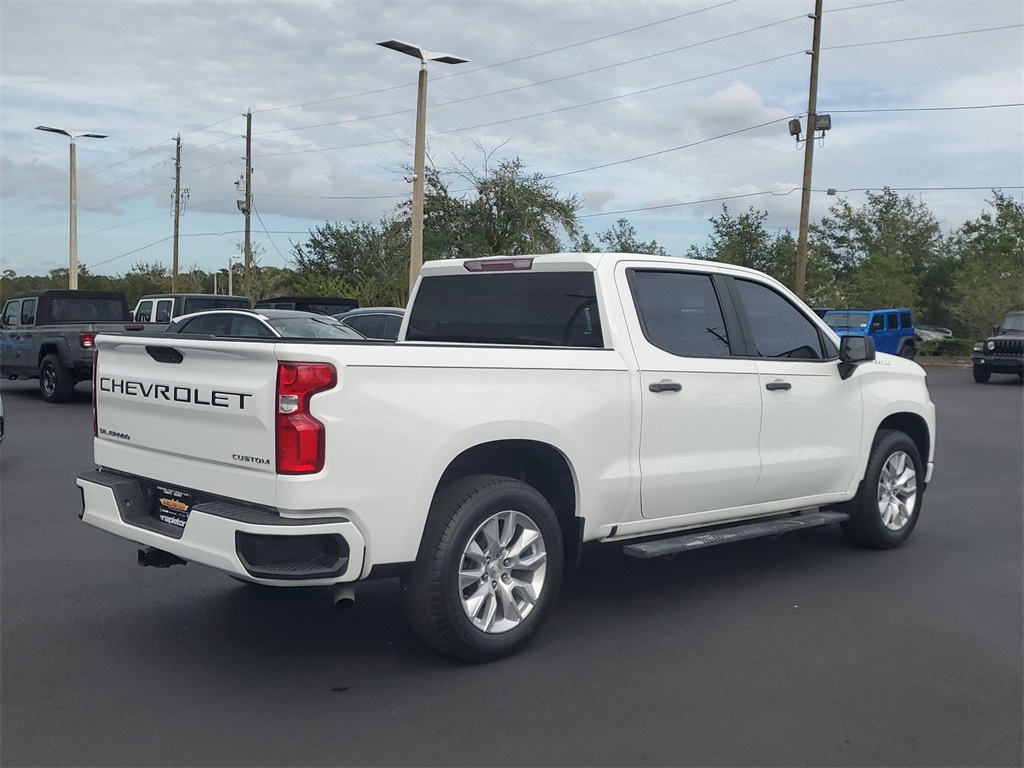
(658, 112)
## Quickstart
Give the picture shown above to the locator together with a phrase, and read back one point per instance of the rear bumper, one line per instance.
(247, 542)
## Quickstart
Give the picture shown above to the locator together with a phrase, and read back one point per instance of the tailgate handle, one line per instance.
(165, 354)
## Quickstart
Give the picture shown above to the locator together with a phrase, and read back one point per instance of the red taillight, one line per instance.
(300, 437)
(87, 340)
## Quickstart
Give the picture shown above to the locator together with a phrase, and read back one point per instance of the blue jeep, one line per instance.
(892, 329)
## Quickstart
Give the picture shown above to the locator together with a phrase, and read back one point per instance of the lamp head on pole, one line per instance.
(422, 54)
(72, 134)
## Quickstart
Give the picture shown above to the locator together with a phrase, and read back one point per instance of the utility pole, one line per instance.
(248, 202)
(177, 213)
(805, 198)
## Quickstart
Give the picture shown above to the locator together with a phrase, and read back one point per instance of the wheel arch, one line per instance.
(55, 345)
(912, 425)
(535, 463)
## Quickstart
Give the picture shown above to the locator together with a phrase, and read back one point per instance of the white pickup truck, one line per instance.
(530, 405)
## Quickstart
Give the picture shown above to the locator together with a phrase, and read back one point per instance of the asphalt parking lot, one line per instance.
(796, 651)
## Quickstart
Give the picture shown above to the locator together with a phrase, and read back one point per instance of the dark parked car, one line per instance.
(262, 324)
(1003, 351)
(374, 322)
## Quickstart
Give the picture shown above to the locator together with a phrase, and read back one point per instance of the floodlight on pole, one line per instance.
(416, 237)
(73, 204)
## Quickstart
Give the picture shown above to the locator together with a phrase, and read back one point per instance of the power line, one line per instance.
(922, 37)
(541, 82)
(267, 233)
(556, 111)
(926, 109)
(670, 149)
(691, 202)
(463, 72)
(777, 193)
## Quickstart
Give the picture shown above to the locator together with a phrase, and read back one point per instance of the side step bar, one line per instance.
(752, 530)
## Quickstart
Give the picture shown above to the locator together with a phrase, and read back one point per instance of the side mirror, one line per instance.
(996, 329)
(854, 350)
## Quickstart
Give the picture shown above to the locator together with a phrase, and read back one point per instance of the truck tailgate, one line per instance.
(195, 412)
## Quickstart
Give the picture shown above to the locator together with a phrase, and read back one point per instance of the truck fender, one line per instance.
(56, 344)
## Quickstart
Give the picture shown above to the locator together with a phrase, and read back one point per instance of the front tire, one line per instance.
(55, 381)
(488, 569)
(982, 374)
(887, 505)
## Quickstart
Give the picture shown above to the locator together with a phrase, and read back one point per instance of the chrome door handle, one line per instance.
(665, 386)
(778, 384)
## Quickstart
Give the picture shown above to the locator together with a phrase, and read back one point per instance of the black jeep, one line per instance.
(1003, 351)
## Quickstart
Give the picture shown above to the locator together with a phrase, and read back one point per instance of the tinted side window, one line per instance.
(779, 329)
(144, 313)
(371, 326)
(217, 325)
(163, 310)
(877, 323)
(906, 321)
(249, 327)
(680, 313)
(11, 313)
(28, 312)
(392, 325)
(557, 309)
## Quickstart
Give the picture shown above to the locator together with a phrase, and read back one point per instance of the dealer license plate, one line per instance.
(172, 505)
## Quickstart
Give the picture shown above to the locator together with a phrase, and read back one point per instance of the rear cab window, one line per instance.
(553, 309)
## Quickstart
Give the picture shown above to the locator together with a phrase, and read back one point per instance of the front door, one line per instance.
(701, 408)
(811, 418)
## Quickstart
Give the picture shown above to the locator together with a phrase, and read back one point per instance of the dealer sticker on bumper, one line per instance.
(172, 505)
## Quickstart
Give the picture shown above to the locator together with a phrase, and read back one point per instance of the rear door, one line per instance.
(701, 407)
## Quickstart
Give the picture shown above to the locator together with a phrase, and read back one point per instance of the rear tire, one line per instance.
(908, 351)
(488, 569)
(55, 381)
(982, 374)
(885, 510)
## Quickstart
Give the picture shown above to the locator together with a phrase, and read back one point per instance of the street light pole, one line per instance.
(419, 150)
(231, 269)
(73, 201)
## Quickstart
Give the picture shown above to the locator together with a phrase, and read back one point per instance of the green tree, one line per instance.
(988, 254)
(896, 236)
(506, 211)
(362, 261)
(622, 238)
(745, 240)
(142, 279)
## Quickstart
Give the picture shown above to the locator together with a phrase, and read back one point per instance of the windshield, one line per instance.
(312, 328)
(1014, 322)
(847, 319)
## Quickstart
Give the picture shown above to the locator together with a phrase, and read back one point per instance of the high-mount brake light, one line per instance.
(299, 437)
(87, 340)
(500, 265)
